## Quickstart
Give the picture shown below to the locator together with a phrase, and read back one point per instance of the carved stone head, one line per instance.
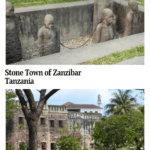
(9, 9)
(133, 5)
(108, 16)
(49, 21)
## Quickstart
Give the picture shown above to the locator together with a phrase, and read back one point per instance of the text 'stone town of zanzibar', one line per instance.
(55, 72)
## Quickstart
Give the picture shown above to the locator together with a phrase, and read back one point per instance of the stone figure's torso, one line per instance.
(106, 33)
(49, 40)
(49, 36)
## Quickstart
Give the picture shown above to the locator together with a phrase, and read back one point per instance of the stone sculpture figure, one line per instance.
(131, 22)
(106, 30)
(99, 6)
(13, 44)
(49, 37)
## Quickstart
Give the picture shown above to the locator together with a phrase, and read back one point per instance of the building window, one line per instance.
(51, 123)
(21, 120)
(61, 124)
(42, 121)
(52, 146)
(43, 145)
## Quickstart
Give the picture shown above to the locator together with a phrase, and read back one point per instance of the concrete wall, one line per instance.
(73, 20)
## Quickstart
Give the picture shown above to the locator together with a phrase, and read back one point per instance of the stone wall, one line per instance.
(85, 123)
(73, 20)
(49, 134)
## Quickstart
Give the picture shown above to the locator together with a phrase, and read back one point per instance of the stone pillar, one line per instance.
(13, 44)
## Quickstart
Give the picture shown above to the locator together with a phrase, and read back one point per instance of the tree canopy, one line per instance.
(10, 105)
(121, 103)
(119, 130)
(72, 140)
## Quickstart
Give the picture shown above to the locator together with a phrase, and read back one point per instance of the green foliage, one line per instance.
(135, 132)
(121, 103)
(26, 3)
(10, 105)
(9, 148)
(140, 2)
(23, 147)
(116, 57)
(107, 133)
(68, 142)
(119, 131)
(64, 129)
(71, 141)
(74, 126)
(85, 149)
(21, 126)
(141, 109)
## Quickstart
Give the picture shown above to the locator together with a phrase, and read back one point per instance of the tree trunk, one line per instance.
(32, 124)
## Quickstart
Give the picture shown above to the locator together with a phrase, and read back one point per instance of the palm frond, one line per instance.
(109, 106)
(121, 102)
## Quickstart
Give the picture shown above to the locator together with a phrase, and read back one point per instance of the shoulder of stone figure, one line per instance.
(99, 26)
(40, 32)
(128, 17)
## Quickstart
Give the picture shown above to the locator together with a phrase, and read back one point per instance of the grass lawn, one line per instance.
(122, 149)
(116, 57)
(140, 2)
(26, 3)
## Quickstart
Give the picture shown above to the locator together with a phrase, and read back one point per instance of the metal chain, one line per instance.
(83, 43)
(78, 46)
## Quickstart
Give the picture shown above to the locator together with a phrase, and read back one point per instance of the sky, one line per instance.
(85, 96)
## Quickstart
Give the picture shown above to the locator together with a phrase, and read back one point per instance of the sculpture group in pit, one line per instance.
(49, 35)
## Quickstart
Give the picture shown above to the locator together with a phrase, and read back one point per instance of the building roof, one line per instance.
(80, 106)
(68, 103)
